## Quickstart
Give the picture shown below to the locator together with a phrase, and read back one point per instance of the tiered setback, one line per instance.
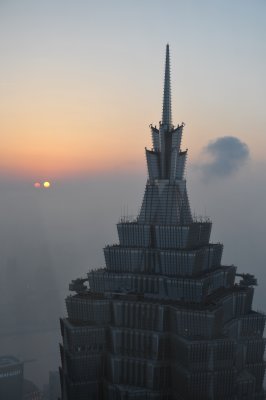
(162, 350)
(164, 320)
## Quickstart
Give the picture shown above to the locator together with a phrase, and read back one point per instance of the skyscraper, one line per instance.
(164, 320)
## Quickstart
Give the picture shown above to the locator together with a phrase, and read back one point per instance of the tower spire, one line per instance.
(167, 107)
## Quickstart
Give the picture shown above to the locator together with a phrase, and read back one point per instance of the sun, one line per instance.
(46, 184)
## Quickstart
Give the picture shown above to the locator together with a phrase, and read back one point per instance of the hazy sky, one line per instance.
(82, 80)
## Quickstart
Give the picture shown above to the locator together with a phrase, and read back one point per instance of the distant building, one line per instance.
(13, 386)
(30, 391)
(164, 320)
(11, 378)
(54, 385)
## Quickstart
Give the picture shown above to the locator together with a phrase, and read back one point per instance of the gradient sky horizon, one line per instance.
(81, 80)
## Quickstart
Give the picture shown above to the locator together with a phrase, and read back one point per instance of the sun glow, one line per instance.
(46, 184)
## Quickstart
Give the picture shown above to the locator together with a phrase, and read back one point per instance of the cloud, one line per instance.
(227, 154)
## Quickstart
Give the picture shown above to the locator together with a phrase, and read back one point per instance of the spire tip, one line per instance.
(167, 106)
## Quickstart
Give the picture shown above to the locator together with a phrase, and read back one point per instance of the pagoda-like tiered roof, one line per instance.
(164, 318)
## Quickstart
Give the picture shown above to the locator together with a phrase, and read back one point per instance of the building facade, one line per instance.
(11, 378)
(165, 319)
(13, 385)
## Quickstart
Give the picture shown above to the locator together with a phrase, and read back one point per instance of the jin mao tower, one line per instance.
(164, 319)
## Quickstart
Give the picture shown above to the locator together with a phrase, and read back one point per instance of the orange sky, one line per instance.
(79, 87)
